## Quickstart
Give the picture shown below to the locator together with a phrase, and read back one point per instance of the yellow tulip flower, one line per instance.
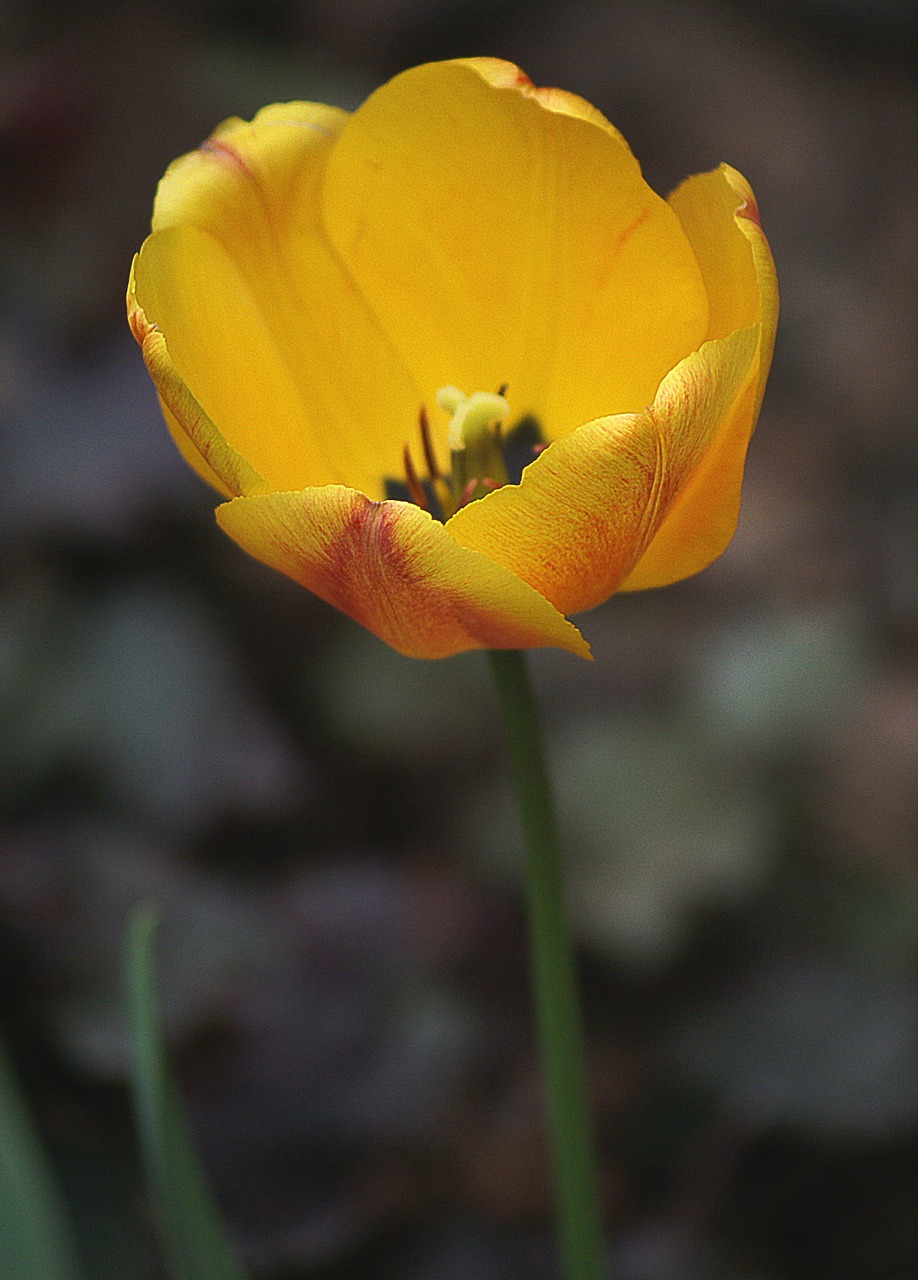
(353, 320)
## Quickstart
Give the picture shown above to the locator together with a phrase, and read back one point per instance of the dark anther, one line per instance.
(415, 488)
(485, 482)
(432, 469)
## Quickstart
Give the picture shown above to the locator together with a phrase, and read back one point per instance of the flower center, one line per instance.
(474, 438)
(476, 454)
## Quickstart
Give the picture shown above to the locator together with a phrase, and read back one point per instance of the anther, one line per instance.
(486, 483)
(427, 445)
(415, 488)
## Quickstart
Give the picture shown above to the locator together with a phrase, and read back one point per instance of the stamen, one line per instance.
(473, 417)
(450, 398)
(427, 445)
(438, 481)
(474, 439)
(486, 483)
(415, 488)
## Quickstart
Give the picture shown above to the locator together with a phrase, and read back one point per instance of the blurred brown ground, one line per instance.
(344, 949)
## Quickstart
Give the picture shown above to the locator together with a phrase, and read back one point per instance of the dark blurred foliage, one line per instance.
(327, 827)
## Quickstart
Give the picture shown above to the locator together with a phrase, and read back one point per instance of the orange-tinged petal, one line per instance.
(182, 442)
(397, 572)
(312, 279)
(506, 75)
(199, 441)
(749, 222)
(226, 351)
(589, 505)
(251, 177)
(505, 234)
(721, 218)
(263, 325)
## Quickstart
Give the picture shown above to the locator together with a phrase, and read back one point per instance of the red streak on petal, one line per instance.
(749, 209)
(356, 559)
(223, 151)
(633, 226)
(616, 247)
(369, 575)
(141, 327)
(385, 576)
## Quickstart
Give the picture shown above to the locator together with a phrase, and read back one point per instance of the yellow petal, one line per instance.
(589, 505)
(199, 441)
(720, 216)
(721, 219)
(251, 178)
(262, 323)
(505, 234)
(397, 572)
(506, 75)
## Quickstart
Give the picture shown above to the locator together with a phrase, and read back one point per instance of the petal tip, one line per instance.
(582, 649)
(223, 152)
(140, 326)
(750, 211)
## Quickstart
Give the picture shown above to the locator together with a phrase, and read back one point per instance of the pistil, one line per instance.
(474, 437)
(475, 443)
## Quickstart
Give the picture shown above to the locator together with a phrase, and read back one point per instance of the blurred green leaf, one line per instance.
(190, 1228)
(35, 1240)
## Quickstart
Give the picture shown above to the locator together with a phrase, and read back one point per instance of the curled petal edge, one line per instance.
(507, 75)
(397, 572)
(689, 539)
(587, 509)
(199, 440)
(750, 223)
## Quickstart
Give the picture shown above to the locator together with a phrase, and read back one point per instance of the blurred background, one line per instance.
(327, 826)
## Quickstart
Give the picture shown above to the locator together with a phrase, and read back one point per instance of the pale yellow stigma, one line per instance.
(473, 416)
(475, 448)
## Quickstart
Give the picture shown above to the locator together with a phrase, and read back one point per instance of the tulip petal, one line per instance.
(263, 325)
(505, 75)
(251, 178)
(721, 219)
(720, 216)
(397, 572)
(589, 505)
(505, 234)
(198, 440)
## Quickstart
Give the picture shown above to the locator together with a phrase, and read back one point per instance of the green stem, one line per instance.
(554, 980)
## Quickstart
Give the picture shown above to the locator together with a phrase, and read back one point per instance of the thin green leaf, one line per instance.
(191, 1232)
(35, 1239)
